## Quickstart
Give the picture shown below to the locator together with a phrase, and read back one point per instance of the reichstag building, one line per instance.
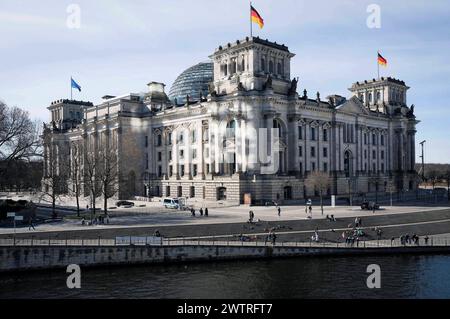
(237, 128)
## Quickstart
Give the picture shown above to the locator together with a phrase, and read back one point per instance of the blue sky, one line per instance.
(122, 45)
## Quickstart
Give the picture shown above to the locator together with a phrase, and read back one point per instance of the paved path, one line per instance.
(393, 225)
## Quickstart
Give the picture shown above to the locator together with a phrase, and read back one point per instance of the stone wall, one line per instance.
(33, 258)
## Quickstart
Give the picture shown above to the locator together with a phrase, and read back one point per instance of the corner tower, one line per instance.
(248, 64)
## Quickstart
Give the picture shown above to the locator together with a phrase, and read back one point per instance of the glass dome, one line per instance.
(192, 82)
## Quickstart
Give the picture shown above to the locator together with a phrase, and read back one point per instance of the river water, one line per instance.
(406, 276)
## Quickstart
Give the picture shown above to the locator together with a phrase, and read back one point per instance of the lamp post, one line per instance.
(349, 177)
(423, 160)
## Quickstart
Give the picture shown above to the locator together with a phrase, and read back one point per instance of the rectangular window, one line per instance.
(374, 154)
(168, 191)
(382, 155)
(146, 141)
(194, 154)
(365, 154)
(313, 166)
(159, 140)
(194, 170)
(313, 151)
(325, 135)
(170, 170)
(181, 170)
(182, 154)
(300, 151)
(382, 140)
(325, 152)
(374, 139)
(301, 167)
(365, 139)
(146, 160)
(208, 169)
(325, 167)
(181, 139)
(313, 133)
(300, 133)
(382, 167)
(170, 155)
(169, 139)
(159, 156)
(159, 171)
(193, 137)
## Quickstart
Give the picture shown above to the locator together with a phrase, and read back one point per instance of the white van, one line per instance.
(171, 203)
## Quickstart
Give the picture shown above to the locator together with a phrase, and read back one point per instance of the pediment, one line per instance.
(354, 106)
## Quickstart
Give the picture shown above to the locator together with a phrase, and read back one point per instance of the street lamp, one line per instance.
(423, 160)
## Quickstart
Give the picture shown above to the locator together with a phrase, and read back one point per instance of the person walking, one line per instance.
(279, 211)
(30, 223)
(201, 212)
(193, 212)
(206, 212)
(274, 239)
(310, 210)
(356, 222)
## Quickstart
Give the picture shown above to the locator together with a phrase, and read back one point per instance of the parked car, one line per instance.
(172, 203)
(124, 203)
(369, 206)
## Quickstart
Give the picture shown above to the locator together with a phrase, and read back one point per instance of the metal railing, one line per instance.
(167, 242)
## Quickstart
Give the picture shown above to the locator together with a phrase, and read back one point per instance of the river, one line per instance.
(407, 276)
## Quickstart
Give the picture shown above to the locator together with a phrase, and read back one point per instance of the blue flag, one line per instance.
(75, 85)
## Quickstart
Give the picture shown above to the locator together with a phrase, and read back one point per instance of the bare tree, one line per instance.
(433, 177)
(19, 135)
(56, 173)
(76, 176)
(319, 181)
(107, 173)
(91, 181)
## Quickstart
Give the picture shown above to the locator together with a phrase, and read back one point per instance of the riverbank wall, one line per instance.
(23, 258)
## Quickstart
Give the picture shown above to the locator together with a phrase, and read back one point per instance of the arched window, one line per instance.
(370, 98)
(263, 64)
(378, 96)
(280, 69)
(270, 66)
(243, 65)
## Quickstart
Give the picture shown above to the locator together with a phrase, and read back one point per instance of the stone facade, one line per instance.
(252, 136)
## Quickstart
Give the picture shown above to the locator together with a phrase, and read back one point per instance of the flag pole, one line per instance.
(378, 65)
(71, 89)
(251, 25)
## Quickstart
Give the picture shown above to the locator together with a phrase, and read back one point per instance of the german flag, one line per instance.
(381, 61)
(256, 18)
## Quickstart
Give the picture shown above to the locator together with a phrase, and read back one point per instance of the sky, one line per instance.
(121, 45)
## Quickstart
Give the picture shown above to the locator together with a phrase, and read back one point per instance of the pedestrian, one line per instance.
(360, 221)
(310, 210)
(279, 211)
(201, 211)
(274, 239)
(31, 224)
(206, 212)
(250, 217)
(83, 222)
(356, 222)
(193, 212)
(426, 240)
